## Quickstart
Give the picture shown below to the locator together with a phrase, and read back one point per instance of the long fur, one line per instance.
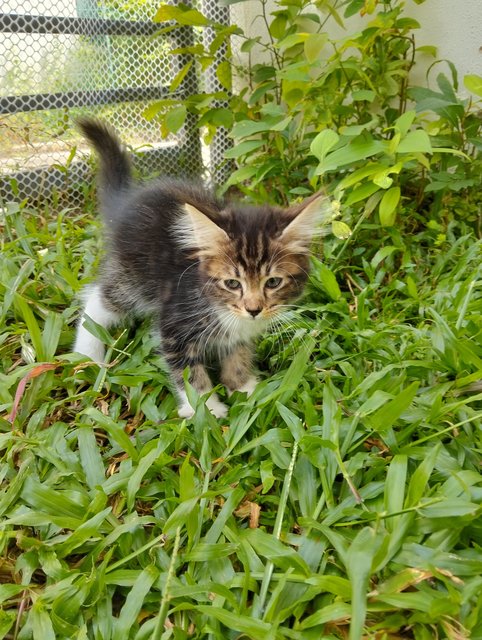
(174, 250)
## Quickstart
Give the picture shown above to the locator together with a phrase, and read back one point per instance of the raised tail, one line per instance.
(115, 174)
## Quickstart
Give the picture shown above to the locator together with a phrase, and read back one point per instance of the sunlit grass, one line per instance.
(342, 500)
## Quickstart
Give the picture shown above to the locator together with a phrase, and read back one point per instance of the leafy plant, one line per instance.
(336, 113)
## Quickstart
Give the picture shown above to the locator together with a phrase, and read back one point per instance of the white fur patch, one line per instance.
(239, 329)
(217, 408)
(86, 343)
(248, 387)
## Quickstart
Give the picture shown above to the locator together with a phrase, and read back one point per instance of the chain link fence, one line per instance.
(63, 58)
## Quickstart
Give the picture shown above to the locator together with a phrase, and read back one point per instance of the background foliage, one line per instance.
(342, 500)
(310, 111)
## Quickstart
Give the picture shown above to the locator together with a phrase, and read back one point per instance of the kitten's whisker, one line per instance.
(296, 265)
(194, 264)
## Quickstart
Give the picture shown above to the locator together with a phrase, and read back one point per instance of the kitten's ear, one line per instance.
(306, 219)
(195, 230)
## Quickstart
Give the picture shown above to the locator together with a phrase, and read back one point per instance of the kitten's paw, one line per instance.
(185, 410)
(248, 387)
(217, 408)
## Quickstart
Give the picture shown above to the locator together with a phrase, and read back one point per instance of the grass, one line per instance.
(342, 500)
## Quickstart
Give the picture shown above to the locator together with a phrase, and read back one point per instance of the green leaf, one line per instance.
(246, 128)
(404, 122)
(385, 417)
(51, 334)
(430, 50)
(358, 564)
(364, 94)
(180, 75)
(357, 176)
(240, 175)
(114, 430)
(452, 508)
(341, 229)
(97, 330)
(474, 84)
(223, 74)
(65, 504)
(337, 611)
(204, 552)
(219, 117)
(134, 601)
(381, 254)
(90, 457)
(252, 627)
(415, 142)
(32, 326)
(144, 463)
(326, 278)
(291, 40)
(175, 118)
(361, 193)
(292, 421)
(182, 15)
(180, 515)
(356, 150)
(250, 43)
(243, 148)
(314, 45)
(388, 206)
(42, 628)
(395, 486)
(267, 546)
(323, 143)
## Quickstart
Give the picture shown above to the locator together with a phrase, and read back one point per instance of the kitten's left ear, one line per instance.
(195, 230)
(306, 220)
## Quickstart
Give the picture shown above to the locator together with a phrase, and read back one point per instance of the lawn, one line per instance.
(342, 500)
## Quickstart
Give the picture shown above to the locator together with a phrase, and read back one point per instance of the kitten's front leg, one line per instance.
(198, 378)
(237, 370)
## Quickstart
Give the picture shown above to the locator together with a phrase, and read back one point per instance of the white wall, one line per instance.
(455, 28)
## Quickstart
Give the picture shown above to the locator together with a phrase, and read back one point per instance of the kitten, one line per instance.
(211, 274)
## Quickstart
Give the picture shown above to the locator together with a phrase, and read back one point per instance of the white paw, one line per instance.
(217, 408)
(185, 410)
(248, 387)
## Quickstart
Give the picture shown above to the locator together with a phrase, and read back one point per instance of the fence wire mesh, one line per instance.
(64, 58)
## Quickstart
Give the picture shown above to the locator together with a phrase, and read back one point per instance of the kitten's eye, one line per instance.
(273, 283)
(232, 284)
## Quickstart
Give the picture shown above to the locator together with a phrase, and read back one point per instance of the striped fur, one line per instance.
(211, 274)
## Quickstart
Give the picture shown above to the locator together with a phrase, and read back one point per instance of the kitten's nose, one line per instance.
(254, 312)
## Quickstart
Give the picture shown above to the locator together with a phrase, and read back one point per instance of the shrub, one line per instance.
(317, 112)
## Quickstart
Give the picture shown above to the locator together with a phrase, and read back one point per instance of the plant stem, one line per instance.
(166, 596)
(277, 529)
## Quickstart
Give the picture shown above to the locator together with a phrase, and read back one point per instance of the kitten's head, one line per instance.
(254, 260)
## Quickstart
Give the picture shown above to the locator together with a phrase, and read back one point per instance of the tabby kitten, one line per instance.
(211, 274)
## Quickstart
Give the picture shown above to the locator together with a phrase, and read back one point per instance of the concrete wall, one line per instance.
(455, 28)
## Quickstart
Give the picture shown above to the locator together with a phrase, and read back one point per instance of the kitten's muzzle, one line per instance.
(254, 312)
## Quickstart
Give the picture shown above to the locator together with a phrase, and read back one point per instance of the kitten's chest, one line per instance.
(236, 330)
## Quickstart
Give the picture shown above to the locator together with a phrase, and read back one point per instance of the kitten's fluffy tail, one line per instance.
(115, 174)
